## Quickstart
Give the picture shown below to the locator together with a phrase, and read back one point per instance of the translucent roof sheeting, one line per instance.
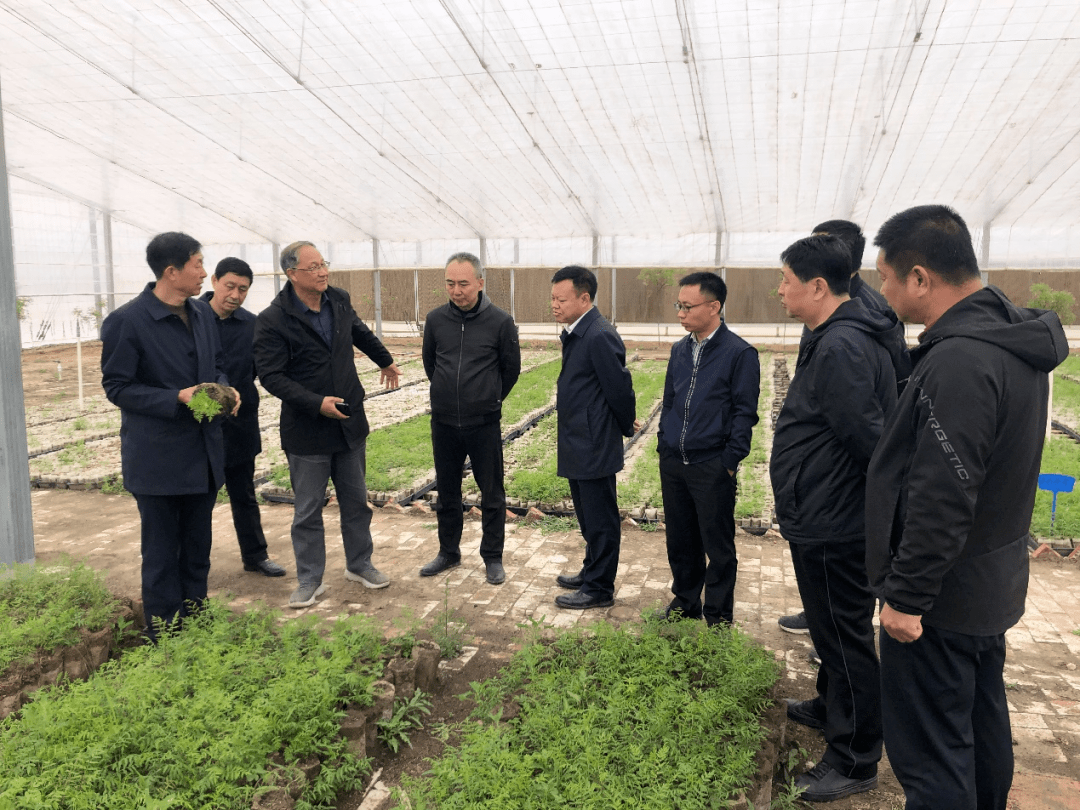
(652, 124)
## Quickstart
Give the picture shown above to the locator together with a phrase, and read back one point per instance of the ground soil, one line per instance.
(496, 641)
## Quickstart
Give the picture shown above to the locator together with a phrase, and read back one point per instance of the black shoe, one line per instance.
(823, 783)
(438, 565)
(671, 614)
(570, 583)
(496, 574)
(268, 568)
(806, 712)
(795, 623)
(582, 601)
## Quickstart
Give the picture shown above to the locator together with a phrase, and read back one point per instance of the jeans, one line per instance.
(309, 476)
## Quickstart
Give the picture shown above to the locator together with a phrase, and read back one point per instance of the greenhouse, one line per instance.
(642, 139)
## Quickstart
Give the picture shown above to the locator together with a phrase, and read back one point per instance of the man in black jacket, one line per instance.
(155, 351)
(472, 358)
(236, 327)
(596, 405)
(851, 235)
(843, 387)
(304, 356)
(706, 422)
(950, 491)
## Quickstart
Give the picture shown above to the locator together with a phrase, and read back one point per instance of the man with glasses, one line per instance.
(708, 415)
(304, 356)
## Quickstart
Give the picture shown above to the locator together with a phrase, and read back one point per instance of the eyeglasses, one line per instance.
(681, 307)
(315, 268)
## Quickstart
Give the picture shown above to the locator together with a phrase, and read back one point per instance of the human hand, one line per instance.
(329, 408)
(184, 395)
(236, 408)
(637, 425)
(389, 376)
(903, 627)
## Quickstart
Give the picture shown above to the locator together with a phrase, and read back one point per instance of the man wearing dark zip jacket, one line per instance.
(843, 388)
(949, 495)
(472, 358)
(851, 235)
(706, 421)
(304, 345)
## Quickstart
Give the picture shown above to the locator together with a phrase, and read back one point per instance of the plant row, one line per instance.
(230, 706)
(664, 715)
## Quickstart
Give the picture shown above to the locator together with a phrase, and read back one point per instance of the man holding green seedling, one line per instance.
(304, 356)
(596, 403)
(472, 359)
(949, 495)
(155, 351)
(706, 421)
(236, 327)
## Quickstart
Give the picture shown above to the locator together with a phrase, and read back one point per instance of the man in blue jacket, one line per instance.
(472, 358)
(304, 356)
(843, 388)
(706, 421)
(596, 404)
(155, 351)
(949, 495)
(236, 327)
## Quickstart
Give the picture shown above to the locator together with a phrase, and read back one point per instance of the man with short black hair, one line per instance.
(843, 387)
(472, 359)
(155, 352)
(852, 236)
(706, 422)
(236, 328)
(949, 495)
(596, 405)
(304, 356)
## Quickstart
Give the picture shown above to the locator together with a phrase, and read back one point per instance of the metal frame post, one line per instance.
(16, 515)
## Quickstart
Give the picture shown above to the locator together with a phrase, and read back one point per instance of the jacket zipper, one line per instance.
(457, 386)
(686, 407)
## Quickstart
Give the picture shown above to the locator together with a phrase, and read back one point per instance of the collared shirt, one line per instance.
(570, 328)
(697, 344)
(322, 321)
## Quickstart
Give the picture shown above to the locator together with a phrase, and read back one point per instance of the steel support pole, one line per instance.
(110, 281)
(376, 281)
(16, 517)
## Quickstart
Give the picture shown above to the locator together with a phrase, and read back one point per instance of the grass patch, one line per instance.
(1060, 455)
(595, 721)
(533, 477)
(397, 454)
(44, 608)
(754, 484)
(192, 721)
(534, 389)
(642, 486)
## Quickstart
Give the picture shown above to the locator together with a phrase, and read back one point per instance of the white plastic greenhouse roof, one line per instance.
(265, 121)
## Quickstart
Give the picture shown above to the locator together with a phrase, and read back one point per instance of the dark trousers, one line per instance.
(483, 446)
(699, 512)
(947, 721)
(597, 508)
(176, 538)
(240, 484)
(839, 609)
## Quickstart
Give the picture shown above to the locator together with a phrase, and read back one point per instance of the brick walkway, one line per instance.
(1044, 651)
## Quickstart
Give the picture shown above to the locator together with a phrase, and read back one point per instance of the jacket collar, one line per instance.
(157, 308)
